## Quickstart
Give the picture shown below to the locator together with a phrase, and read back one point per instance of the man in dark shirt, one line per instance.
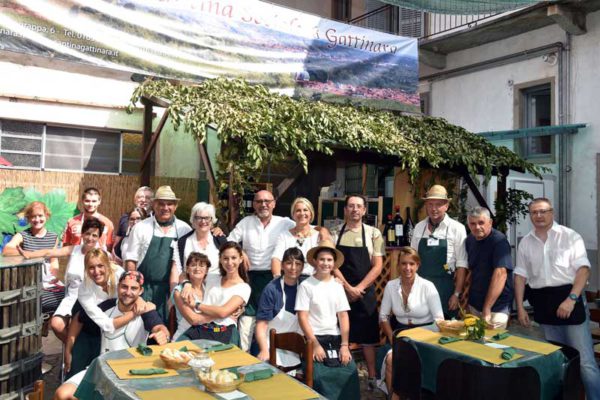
(490, 263)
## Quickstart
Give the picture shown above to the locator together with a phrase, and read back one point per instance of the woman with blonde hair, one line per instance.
(303, 236)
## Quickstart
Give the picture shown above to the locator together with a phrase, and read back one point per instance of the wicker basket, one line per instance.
(214, 387)
(177, 364)
(455, 328)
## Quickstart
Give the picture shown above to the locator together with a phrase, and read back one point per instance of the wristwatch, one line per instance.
(573, 296)
(457, 294)
(197, 305)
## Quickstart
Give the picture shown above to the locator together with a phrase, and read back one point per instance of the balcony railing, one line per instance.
(415, 23)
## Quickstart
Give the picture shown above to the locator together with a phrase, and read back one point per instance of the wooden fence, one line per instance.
(117, 190)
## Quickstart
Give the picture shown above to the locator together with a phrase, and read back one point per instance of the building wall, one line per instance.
(487, 104)
(41, 90)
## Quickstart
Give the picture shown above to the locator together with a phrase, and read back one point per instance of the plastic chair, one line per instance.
(462, 380)
(38, 391)
(295, 342)
(406, 369)
(572, 383)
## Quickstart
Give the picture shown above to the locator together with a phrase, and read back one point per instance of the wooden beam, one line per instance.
(289, 181)
(571, 21)
(433, 59)
(208, 167)
(154, 139)
(476, 192)
(146, 138)
(364, 179)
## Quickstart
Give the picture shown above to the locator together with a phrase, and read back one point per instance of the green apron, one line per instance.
(156, 268)
(336, 382)
(85, 349)
(434, 256)
(258, 281)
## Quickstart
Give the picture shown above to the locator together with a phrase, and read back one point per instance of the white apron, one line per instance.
(130, 335)
(283, 322)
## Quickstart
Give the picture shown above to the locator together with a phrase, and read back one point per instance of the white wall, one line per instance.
(484, 101)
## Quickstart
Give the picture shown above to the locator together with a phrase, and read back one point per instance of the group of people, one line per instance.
(286, 274)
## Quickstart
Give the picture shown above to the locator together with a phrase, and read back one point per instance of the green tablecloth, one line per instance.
(549, 367)
(100, 382)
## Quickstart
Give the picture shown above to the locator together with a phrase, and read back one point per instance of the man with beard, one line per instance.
(151, 251)
(258, 235)
(143, 327)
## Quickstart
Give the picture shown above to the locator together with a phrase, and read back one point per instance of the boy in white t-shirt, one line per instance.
(321, 304)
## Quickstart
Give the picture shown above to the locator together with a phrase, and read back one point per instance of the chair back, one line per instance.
(295, 342)
(172, 322)
(591, 296)
(572, 384)
(458, 379)
(38, 391)
(406, 369)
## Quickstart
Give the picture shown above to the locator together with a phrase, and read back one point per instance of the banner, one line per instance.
(292, 52)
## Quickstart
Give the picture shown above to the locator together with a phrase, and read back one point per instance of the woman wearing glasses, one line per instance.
(304, 236)
(408, 301)
(199, 240)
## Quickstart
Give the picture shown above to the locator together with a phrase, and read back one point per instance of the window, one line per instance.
(536, 110)
(40, 146)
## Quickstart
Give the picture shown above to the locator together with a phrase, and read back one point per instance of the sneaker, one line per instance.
(46, 368)
(371, 384)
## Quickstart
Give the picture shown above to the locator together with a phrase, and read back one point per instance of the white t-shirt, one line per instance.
(90, 295)
(191, 246)
(216, 295)
(424, 303)
(287, 240)
(323, 300)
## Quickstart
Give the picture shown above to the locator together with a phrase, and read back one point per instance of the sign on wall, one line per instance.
(289, 51)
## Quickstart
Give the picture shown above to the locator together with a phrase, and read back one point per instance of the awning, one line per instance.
(533, 132)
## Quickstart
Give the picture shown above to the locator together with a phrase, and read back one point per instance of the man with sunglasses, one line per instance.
(258, 233)
(552, 261)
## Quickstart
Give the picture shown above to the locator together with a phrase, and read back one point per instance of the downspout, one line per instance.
(564, 117)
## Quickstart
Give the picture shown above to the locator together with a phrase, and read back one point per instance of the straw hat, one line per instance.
(436, 192)
(325, 244)
(165, 193)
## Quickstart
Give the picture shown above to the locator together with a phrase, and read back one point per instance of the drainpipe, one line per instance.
(564, 117)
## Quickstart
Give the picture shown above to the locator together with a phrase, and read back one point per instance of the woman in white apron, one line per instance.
(276, 308)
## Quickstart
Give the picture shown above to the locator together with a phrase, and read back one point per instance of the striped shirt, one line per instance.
(32, 243)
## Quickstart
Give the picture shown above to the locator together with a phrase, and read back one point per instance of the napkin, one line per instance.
(184, 349)
(144, 350)
(508, 353)
(500, 336)
(220, 347)
(257, 375)
(448, 339)
(148, 371)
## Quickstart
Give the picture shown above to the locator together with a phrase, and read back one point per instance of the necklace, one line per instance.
(404, 299)
(301, 235)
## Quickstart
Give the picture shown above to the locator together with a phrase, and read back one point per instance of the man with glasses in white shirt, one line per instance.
(553, 261)
(258, 233)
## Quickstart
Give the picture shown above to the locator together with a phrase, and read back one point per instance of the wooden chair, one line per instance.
(295, 342)
(458, 379)
(38, 391)
(172, 322)
(406, 369)
(591, 296)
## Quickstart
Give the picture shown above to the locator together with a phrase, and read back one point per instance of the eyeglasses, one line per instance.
(203, 219)
(541, 212)
(266, 202)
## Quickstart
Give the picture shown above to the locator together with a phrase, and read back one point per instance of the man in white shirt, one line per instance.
(258, 235)
(151, 248)
(144, 326)
(553, 261)
(440, 241)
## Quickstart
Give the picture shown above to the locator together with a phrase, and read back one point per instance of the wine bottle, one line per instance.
(399, 228)
(389, 232)
(408, 228)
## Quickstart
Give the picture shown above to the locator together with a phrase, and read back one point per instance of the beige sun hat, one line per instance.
(325, 244)
(436, 192)
(165, 193)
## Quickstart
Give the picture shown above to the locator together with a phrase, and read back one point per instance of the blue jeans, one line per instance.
(580, 338)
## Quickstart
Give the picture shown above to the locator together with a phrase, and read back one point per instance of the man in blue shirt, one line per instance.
(490, 263)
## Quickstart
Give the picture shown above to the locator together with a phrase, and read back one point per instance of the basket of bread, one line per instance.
(452, 327)
(220, 380)
(176, 359)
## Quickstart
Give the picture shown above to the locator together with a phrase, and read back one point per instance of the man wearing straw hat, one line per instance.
(151, 248)
(440, 241)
